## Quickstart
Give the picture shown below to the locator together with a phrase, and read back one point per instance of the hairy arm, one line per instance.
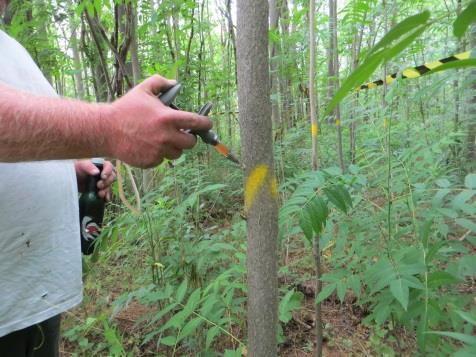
(45, 128)
(137, 128)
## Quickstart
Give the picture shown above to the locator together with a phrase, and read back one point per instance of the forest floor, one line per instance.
(345, 334)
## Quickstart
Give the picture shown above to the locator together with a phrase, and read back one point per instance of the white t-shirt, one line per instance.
(40, 255)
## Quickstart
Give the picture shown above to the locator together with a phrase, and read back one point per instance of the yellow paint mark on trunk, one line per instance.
(254, 182)
(314, 129)
(260, 177)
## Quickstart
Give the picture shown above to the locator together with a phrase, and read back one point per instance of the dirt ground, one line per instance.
(344, 332)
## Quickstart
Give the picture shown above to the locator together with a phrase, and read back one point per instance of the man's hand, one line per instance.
(137, 128)
(144, 131)
(85, 168)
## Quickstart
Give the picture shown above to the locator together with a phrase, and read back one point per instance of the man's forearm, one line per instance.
(45, 128)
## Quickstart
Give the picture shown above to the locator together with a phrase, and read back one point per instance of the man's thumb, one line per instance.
(157, 84)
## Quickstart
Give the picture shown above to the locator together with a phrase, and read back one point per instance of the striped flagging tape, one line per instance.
(414, 72)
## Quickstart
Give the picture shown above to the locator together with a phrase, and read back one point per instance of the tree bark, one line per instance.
(285, 83)
(315, 161)
(136, 70)
(356, 47)
(78, 80)
(273, 25)
(471, 126)
(260, 188)
(334, 76)
(313, 103)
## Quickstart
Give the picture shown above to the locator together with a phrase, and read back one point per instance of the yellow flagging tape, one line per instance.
(418, 71)
(411, 73)
(314, 129)
(337, 122)
(259, 177)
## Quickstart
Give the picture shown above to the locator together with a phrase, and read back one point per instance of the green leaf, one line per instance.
(233, 353)
(416, 25)
(440, 278)
(356, 78)
(424, 231)
(168, 341)
(401, 29)
(470, 181)
(114, 343)
(400, 291)
(341, 290)
(193, 300)
(469, 339)
(354, 282)
(468, 351)
(163, 312)
(90, 8)
(466, 223)
(471, 318)
(189, 328)
(318, 212)
(443, 183)
(182, 289)
(462, 22)
(325, 293)
(211, 334)
(339, 196)
(461, 198)
(290, 302)
(305, 223)
(390, 53)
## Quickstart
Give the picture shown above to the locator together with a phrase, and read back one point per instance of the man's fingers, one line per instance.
(89, 168)
(185, 140)
(107, 170)
(187, 120)
(107, 182)
(157, 84)
(105, 194)
(173, 153)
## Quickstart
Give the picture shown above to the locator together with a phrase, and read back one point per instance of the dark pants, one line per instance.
(40, 340)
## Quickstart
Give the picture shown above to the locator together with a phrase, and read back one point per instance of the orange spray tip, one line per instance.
(222, 149)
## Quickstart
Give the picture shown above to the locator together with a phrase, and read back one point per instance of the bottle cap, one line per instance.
(97, 161)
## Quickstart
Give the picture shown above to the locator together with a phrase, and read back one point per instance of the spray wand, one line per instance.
(208, 136)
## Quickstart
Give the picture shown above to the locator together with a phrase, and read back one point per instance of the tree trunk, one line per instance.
(260, 189)
(471, 126)
(315, 161)
(78, 80)
(356, 47)
(334, 76)
(313, 100)
(273, 25)
(136, 70)
(285, 82)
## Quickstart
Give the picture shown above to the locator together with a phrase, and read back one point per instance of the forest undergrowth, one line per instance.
(183, 289)
(371, 115)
